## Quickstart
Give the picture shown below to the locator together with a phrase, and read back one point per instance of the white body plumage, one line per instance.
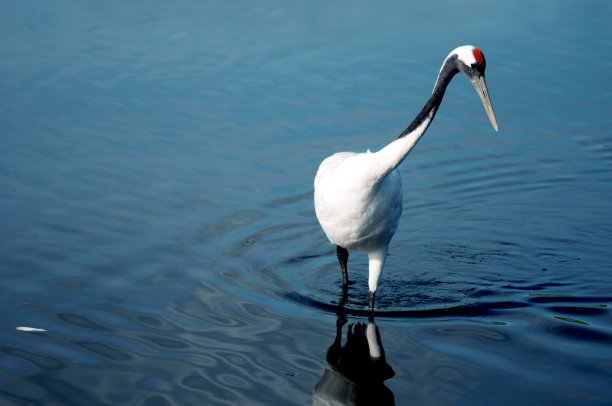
(356, 210)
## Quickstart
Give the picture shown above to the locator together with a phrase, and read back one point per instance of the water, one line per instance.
(157, 223)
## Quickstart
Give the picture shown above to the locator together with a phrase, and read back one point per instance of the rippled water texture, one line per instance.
(158, 242)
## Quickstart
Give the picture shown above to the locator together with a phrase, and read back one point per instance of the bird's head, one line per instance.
(471, 62)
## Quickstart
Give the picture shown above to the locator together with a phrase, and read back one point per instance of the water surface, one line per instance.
(158, 238)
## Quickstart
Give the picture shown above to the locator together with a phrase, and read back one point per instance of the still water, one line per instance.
(158, 238)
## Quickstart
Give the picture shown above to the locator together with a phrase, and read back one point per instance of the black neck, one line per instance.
(448, 71)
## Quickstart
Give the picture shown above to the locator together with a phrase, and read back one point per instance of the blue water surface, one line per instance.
(158, 242)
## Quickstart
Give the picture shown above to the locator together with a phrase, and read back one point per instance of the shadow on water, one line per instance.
(356, 371)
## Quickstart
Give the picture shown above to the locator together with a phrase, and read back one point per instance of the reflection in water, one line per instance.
(355, 371)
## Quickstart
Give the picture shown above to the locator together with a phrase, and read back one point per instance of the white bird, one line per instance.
(358, 196)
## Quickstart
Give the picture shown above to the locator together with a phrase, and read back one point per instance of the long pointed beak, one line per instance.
(481, 88)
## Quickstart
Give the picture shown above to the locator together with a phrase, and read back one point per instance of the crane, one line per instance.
(358, 196)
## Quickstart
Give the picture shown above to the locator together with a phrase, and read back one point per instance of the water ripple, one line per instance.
(211, 362)
(484, 309)
(159, 244)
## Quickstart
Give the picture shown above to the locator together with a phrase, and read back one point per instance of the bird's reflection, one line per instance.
(355, 371)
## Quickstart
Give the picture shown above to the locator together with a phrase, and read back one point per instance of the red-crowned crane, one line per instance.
(358, 196)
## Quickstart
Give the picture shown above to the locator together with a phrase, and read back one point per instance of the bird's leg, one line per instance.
(343, 258)
(376, 263)
(371, 302)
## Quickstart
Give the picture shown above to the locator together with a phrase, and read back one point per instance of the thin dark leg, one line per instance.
(372, 300)
(343, 258)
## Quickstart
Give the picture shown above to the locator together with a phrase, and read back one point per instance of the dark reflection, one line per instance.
(355, 371)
